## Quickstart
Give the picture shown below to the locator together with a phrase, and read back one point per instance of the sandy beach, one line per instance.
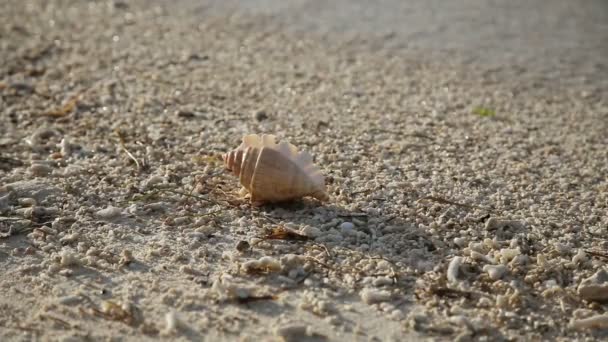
(464, 149)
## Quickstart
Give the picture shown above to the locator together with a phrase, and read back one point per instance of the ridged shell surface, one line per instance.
(274, 172)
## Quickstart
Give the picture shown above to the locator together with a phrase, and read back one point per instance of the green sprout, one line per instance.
(484, 112)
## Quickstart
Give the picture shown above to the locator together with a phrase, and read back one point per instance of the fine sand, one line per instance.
(464, 149)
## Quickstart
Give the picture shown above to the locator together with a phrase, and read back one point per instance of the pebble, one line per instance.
(173, 323)
(593, 322)
(579, 257)
(40, 170)
(453, 269)
(382, 281)
(260, 115)
(494, 223)
(495, 272)
(507, 254)
(109, 212)
(152, 181)
(310, 231)
(293, 333)
(267, 264)
(242, 246)
(595, 287)
(69, 300)
(65, 148)
(373, 296)
(69, 259)
(347, 228)
(5, 202)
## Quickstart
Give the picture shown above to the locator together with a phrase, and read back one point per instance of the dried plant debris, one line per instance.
(125, 312)
(484, 112)
(282, 233)
(64, 109)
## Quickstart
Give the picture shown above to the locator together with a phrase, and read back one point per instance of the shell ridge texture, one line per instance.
(274, 172)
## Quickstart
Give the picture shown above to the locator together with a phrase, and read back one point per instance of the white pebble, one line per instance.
(152, 181)
(109, 213)
(372, 296)
(69, 259)
(453, 268)
(580, 257)
(173, 322)
(65, 147)
(40, 169)
(310, 231)
(347, 228)
(69, 300)
(593, 322)
(506, 254)
(460, 241)
(291, 333)
(595, 287)
(495, 272)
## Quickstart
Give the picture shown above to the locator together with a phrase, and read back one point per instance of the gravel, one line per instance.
(468, 185)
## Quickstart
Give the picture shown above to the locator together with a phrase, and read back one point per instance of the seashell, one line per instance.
(273, 172)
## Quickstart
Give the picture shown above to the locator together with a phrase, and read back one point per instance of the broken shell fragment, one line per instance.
(273, 172)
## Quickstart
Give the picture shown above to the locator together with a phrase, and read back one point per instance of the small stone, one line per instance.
(310, 231)
(69, 300)
(260, 115)
(372, 296)
(173, 323)
(595, 287)
(65, 148)
(40, 170)
(242, 246)
(495, 272)
(126, 257)
(580, 257)
(293, 333)
(109, 213)
(69, 259)
(494, 223)
(593, 322)
(453, 269)
(347, 228)
(152, 181)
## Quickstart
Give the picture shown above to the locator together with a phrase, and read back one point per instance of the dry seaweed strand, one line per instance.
(121, 140)
(597, 253)
(56, 319)
(65, 109)
(115, 312)
(282, 233)
(249, 299)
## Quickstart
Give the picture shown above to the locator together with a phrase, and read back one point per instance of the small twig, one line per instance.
(319, 262)
(121, 140)
(597, 254)
(56, 319)
(4, 219)
(245, 300)
(326, 250)
(21, 327)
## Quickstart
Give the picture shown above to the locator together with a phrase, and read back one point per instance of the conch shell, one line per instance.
(273, 172)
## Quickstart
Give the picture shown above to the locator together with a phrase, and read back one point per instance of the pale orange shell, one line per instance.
(274, 172)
